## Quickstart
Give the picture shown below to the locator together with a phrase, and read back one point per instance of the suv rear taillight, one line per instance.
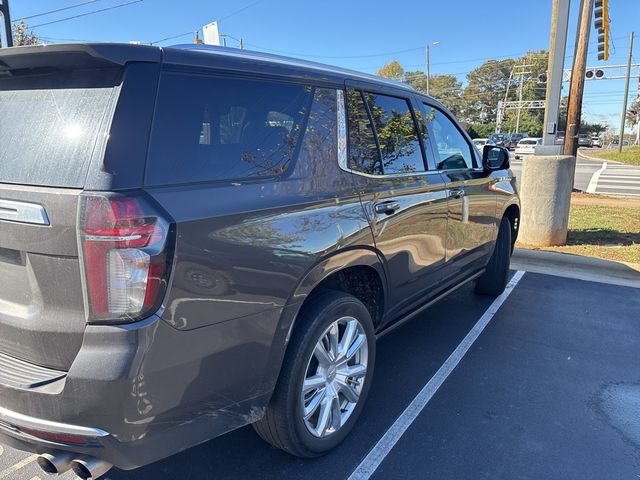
(126, 246)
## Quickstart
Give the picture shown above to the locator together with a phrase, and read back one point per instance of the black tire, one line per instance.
(283, 425)
(494, 279)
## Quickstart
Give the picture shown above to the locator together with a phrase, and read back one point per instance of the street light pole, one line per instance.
(427, 51)
(557, 47)
(428, 69)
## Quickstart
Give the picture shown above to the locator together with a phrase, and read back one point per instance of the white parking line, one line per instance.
(378, 453)
(18, 466)
(593, 183)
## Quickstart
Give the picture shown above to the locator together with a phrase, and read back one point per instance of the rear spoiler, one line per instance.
(93, 55)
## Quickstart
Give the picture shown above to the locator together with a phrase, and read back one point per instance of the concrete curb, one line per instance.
(575, 266)
(596, 159)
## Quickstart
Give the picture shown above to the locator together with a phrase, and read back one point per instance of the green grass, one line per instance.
(629, 155)
(608, 232)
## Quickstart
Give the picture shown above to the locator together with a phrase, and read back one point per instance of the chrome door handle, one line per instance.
(387, 207)
(456, 193)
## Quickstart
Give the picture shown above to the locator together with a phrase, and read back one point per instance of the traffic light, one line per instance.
(601, 23)
(594, 74)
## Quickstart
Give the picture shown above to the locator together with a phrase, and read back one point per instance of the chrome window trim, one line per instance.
(22, 212)
(342, 130)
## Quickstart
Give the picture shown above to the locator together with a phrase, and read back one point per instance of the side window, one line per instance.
(213, 128)
(452, 148)
(397, 134)
(363, 150)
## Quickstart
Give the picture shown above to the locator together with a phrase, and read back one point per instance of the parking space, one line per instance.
(550, 389)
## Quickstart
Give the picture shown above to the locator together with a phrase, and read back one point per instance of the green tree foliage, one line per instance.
(445, 88)
(392, 70)
(486, 86)
(481, 130)
(22, 35)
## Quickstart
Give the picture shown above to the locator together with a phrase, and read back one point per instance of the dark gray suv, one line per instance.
(194, 239)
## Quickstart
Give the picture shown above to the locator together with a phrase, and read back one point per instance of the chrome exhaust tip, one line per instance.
(55, 463)
(90, 468)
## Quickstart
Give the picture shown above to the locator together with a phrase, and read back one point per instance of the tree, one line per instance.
(23, 35)
(486, 86)
(634, 112)
(445, 88)
(392, 70)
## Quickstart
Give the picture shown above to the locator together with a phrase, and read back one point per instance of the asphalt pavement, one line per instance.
(594, 176)
(549, 389)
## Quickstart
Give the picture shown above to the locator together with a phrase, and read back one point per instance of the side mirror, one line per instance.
(495, 158)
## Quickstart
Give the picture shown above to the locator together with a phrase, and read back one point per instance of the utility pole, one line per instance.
(4, 13)
(623, 117)
(520, 98)
(578, 71)
(555, 68)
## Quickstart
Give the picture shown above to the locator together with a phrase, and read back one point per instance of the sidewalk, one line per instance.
(575, 266)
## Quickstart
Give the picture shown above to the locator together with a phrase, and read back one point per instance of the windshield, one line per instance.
(50, 125)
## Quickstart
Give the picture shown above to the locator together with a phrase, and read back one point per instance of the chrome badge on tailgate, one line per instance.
(23, 212)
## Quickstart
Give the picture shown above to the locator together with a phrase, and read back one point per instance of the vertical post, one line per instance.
(557, 47)
(623, 117)
(4, 13)
(501, 105)
(576, 92)
(427, 68)
(520, 98)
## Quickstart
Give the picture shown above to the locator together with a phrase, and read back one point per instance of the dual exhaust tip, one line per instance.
(85, 467)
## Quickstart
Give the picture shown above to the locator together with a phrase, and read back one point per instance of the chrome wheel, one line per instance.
(334, 377)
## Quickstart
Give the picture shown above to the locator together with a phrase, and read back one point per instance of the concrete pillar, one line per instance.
(545, 195)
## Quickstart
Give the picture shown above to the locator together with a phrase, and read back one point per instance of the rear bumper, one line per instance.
(138, 393)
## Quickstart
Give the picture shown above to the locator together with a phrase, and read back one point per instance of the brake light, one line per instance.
(126, 248)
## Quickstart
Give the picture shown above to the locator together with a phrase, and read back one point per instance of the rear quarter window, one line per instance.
(212, 128)
(50, 125)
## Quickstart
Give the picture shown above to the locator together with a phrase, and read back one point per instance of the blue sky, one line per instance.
(362, 35)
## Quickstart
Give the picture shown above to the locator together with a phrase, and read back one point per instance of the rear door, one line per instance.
(51, 125)
(405, 201)
(471, 227)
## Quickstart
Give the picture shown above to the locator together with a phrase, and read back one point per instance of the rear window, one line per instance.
(50, 125)
(528, 142)
(210, 128)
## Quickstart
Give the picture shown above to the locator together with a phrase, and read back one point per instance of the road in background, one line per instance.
(613, 179)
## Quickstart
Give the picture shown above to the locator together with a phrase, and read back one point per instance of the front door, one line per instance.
(471, 227)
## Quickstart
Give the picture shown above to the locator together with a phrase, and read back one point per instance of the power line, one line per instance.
(61, 9)
(190, 32)
(87, 13)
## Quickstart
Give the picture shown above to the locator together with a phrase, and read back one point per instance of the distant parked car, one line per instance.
(559, 138)
(513, 139)
(615, 142)
(498, 138)
(595, 141)
(527, 146)
(584, 140)
(479, 143)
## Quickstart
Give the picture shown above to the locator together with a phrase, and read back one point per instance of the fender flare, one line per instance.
(350, 257)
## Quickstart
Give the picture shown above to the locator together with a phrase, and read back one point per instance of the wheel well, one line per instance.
(512, 213)
(362, 282)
